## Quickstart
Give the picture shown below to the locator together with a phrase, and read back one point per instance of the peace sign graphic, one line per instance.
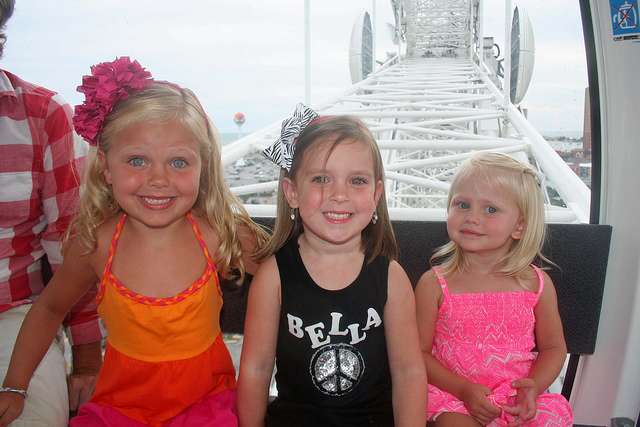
(336, 369)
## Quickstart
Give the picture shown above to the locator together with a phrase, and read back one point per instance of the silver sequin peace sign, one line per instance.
(336, 369)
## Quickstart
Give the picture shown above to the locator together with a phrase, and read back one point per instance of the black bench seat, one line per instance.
(581, 252)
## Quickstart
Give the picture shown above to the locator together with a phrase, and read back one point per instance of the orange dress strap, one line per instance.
(203, 245)
(112, 251)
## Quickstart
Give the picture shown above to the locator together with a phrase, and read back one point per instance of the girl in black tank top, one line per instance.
(329, 303)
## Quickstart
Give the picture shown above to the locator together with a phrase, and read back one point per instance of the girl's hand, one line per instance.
(525, 409)
(11, 405)
(476, 402)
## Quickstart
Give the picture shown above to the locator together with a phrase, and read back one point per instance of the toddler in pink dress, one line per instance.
(482, 310)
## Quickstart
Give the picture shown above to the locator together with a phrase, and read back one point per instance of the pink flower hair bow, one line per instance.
(108, 83)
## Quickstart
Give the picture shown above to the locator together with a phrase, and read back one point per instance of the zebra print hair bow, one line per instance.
(281, 152)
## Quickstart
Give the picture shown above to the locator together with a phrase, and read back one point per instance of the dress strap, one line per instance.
(203, 245)
(442, 281)
(540, 279)
(112, 251)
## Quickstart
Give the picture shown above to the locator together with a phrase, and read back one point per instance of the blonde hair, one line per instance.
(519, 180)
(377, 239)
(164, 103)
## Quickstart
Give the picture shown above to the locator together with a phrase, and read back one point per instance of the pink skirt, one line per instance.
(214, 410)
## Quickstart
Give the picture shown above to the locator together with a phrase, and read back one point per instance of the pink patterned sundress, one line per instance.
(488, 338)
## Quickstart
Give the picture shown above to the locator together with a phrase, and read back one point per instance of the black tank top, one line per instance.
(331, 356)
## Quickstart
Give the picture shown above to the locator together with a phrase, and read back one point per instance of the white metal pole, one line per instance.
(507, 55)
(373, 36)
(471, 25)
(480, 27)
(399, 21)
(307, 52)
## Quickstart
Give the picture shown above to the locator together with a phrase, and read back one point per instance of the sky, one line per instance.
(249, 55)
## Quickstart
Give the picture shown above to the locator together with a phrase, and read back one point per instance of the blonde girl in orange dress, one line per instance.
(157, 227)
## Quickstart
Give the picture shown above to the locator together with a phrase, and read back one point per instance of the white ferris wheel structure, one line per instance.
(442, 97)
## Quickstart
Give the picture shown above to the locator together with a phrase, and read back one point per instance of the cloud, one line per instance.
(249, 56)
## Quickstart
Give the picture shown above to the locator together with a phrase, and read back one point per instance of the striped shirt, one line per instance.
(40, 164)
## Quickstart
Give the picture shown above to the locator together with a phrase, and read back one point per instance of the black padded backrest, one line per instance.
(235, 295)
(581, 252)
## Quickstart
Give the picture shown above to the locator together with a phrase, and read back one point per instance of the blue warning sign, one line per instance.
(624, 17)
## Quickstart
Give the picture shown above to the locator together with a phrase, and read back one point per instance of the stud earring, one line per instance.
(375, 216)
(293, 214)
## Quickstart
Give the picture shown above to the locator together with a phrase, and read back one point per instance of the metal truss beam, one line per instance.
(430, 113)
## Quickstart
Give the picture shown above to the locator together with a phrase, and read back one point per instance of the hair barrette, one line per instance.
(540, 177)
(281, 152)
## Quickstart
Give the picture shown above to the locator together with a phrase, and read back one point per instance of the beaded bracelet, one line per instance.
(14, 390)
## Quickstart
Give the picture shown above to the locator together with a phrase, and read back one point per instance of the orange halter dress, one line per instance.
(163, 355)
